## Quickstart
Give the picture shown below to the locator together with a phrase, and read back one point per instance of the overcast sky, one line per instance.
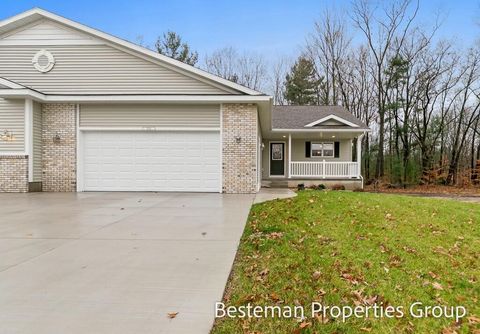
(270, 27)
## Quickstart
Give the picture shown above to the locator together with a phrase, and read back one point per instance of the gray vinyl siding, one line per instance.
(97, 69)
(148, 116)
(37, 142)
(12, 116)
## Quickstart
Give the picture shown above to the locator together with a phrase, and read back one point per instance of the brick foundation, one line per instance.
(59, 163)
(239, 160)
(14, 174)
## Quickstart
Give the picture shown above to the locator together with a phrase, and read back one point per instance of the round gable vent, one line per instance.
(43, 61)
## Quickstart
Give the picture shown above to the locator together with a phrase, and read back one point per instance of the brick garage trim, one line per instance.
(14, 173)
(59, 159)
(239, 158)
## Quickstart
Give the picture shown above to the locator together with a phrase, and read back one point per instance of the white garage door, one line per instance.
(151, 161)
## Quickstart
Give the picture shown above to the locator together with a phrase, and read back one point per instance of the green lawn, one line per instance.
(346, 249)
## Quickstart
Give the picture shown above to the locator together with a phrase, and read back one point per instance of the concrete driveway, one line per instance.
(115, 262)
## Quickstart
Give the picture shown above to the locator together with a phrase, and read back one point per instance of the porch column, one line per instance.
(289, 153)
(359, 153)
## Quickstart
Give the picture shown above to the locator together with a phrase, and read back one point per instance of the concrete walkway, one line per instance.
(115, 262)
(269, 194)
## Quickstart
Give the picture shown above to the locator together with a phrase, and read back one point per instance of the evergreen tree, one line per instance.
(302, 83)
(171, 45)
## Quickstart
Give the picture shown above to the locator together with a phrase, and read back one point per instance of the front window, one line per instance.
(322, 150)
(317, 149)
(328, 149)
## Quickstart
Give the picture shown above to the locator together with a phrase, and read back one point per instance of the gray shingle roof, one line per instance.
(296, 117)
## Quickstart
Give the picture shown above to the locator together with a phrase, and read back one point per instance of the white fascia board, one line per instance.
(159, 98)
(10, 84)
(40, 97)
(319, 130)
(22, 93)
(178, 64)
(334, 117)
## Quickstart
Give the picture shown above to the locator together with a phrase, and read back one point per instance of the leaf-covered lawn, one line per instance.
(347, 248)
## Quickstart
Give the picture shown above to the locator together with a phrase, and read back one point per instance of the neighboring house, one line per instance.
(81, 110)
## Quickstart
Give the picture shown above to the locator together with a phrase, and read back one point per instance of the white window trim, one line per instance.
(322, 143)
(334, 117)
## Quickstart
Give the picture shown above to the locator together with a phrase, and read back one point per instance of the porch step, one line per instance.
(274, 184)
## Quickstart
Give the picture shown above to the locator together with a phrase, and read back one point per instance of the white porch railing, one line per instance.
(324, 169)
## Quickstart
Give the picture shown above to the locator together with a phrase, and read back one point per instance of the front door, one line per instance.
(277, 159)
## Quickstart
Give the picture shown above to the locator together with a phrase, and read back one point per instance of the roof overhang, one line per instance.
(315, 134)
(36, 14)
(10, 84)
(20, 93)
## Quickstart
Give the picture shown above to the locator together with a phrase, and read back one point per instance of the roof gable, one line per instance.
(331, 120)
(17, 22)
(311, 118)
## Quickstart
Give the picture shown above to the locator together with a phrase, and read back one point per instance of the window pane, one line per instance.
(277, 151)
(328, 150)
(316, 150)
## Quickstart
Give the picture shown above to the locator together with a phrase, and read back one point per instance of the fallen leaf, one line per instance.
(305, 324)
(437, 286)
(366, 329)
(316, 275)
(473, 320)
(274, 297)
(172, 315)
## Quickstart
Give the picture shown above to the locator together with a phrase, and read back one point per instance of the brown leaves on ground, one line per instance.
(274, 235)
(360, 299)
(305, 324)
(473, 320)
(316, 275)
(437, 286)
(274, 297)
(262, 275)
(350, 278)
(428, 189)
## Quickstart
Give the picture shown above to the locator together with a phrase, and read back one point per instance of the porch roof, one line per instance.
(305, 117)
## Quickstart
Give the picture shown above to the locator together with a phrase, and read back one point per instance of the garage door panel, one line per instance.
(151, 161)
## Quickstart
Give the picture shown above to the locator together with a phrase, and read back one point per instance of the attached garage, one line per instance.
(150, 148)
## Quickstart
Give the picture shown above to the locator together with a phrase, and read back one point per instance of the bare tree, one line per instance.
(385, 33)
(328, 45)
(279, 71)
(467, 106)
(248, 69)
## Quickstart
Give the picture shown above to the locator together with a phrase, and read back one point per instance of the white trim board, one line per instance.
(10, 84)
(330, 117)
(29, 136)
(40, 97)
